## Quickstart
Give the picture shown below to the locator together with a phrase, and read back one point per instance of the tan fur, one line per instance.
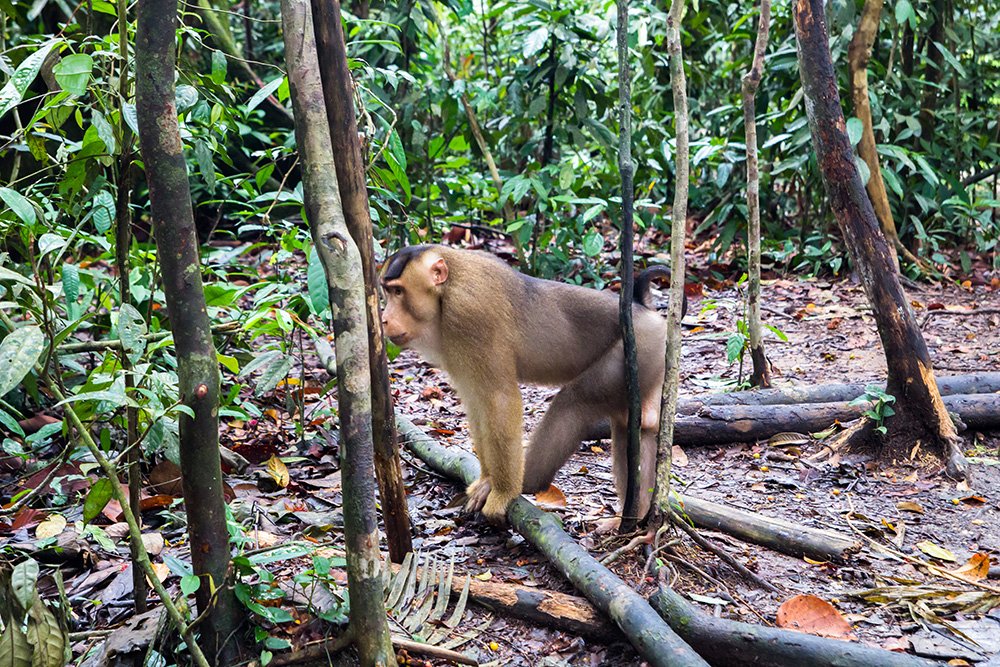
(490, 328)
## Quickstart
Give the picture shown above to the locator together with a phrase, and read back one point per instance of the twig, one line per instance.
(432, 651)
(104, 345)
(958, 313)
(722, 554)
(644, 537)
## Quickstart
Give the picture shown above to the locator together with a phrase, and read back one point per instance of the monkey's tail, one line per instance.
(641, 294)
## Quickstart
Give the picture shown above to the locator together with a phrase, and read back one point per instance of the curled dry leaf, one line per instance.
(551, 496)
(975, 569)
(910, 506)
(278, 471)
(678, 457)
(808, 613)
(50, 527)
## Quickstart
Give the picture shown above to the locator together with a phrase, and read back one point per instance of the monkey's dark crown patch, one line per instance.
(399, 261)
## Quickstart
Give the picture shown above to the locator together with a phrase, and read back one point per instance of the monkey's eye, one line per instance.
(396, 290)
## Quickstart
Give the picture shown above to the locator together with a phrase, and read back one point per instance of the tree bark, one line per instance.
(777, 534)
(654, 640)
(933, 71)
(197, 365)
(761, 376)
(338, 90)
(626, 168)
(725, 642)
(345, 278)
(858, 55)
(678, 222)
(921, 413)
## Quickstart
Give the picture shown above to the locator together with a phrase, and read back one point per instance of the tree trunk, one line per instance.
(626, 168)
(678, 222)
(933, 71)
(858, 55)
(338, 90)
(345, 279)
(922, 414)
(734, 643)
(197, 365)
(654, 640)
(761, 376)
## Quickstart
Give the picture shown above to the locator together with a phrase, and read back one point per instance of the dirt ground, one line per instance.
(899, 504)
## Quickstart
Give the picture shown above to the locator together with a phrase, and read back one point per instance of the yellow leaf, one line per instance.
(278, 471)
(484, 576)
(51, 527)
(934, 551)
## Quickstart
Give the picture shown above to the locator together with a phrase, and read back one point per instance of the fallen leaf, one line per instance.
(484, 576)
(278, 471)
(551, 496)
(974, 500)
(934, 551)
(161, 570)
(51, 526)
(678, 457)
(808, 613)
(153, 543)
(975, 569)
(910, 506)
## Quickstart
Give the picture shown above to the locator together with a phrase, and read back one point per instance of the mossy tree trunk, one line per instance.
(197, 365)
(342, 262)
(921, 415)
(338, 90)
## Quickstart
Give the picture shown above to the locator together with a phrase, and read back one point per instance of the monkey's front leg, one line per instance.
(496, 421)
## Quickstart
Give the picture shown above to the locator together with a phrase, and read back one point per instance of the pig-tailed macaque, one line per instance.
(490, 328)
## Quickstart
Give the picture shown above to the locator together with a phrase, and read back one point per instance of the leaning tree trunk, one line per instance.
(342, 262)
(920, 411)
(678, 220)
(761, 376)
(858, 54)
(626, 167)
(197, 366)
(338, 90)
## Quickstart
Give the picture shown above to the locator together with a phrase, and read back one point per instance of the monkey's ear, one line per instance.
(439, 272)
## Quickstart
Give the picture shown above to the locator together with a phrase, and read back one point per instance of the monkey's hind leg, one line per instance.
(647, 465)
(563, 428)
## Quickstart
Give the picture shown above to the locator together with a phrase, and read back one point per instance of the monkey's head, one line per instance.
(413, 280)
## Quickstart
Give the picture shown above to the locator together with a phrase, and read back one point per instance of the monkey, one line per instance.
(490, 328)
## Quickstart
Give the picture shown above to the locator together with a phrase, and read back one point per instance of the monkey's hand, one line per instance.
(477, 493)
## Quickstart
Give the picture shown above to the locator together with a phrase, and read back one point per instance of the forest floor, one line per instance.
(831, 338)
(293, 503)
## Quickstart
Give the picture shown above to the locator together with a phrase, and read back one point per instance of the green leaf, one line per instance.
(535, 40)
(71, 289)
(782, 336)
(203, 155)
(722, 175)
(103, 208)
(190, 583)
(566, 175)
(14, 90)
(131, 117)
(185, 97)
(855, 128)
(19, 352)
(20, 204)
(132, 332)
(219, 66)
(904, 13)
(73, 72)
(892, 181)
(97, 498)
(735, 345)
(319, 291)
(23, 581)
(48, 242)
(263, 94)
(104, 131)
(593, 243)
(15, 651)
(9, 423)
(950, 58)
(273, 374)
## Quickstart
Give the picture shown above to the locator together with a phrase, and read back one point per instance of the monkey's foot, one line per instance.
(606, 526)
(495, 509)
(477, 493)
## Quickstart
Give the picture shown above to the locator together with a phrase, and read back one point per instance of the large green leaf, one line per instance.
(15, 651)
(97, 498)
(20, 204)
(13, 92)
(319, 291)
(23, 581)
(132, 332)
(73, 72)
(19, 352)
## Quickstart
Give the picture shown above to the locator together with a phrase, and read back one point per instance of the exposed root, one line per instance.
(633, 544)
(858, 433)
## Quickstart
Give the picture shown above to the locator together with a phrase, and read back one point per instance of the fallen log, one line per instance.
(648, 633)
(569, 613)
(723, 424)
(973, 383)
(726, 642)
(777, 534)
